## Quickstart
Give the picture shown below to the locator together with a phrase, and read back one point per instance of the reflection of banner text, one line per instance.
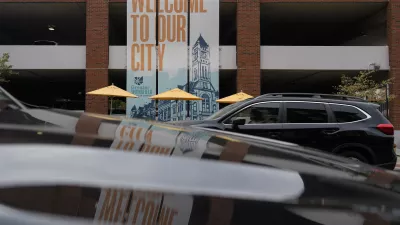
(144, 208)
(112, 209)
(129, 135)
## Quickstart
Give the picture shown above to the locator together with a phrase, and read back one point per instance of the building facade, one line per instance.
(265, 46)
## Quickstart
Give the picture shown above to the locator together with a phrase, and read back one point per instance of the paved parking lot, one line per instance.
(398, 164)
(398, 160)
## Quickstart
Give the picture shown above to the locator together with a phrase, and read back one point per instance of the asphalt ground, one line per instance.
(398, 160)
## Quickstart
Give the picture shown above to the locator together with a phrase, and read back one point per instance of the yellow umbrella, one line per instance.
(175, 94)
(112, 91)
(235, 98)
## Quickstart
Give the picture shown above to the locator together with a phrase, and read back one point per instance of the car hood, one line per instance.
(107, 132)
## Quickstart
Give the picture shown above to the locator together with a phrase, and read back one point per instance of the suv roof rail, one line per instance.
(314, 95)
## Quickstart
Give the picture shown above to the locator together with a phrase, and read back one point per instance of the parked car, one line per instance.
(343, 125)
(95, 169)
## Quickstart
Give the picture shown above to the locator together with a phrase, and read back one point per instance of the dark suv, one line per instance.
(347, 126)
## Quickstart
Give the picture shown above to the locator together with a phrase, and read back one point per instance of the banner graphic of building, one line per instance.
(190, 63)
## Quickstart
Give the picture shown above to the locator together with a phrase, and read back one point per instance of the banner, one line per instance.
(204, 57)
(173, 56)
(141, 58)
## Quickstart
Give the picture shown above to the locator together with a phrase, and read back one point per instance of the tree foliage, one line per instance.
(363, 86)
(5, 68)
(118, 104)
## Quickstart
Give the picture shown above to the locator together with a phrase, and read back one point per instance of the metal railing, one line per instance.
(384, 106)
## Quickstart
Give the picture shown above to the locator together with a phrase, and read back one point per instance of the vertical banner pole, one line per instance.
(188, 59)
(387, 101)
(111, 105)
(156, 103)
(157, 54)
(176, 102)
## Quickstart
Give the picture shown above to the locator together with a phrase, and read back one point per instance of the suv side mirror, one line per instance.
(237, 122)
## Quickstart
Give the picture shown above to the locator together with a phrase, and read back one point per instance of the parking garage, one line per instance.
(304, 47)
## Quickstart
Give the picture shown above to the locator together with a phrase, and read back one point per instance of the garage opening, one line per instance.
(302, 81)
(52, 23)
(323, 24)
(64, 89)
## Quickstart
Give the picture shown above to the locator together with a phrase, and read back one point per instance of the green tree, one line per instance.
(5, 68)
(118, 104)
(363, 86)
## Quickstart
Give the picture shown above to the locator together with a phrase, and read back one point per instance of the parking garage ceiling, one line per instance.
(24, 23)
(320, 12)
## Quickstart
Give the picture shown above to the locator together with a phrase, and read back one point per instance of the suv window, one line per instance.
(344, 113)
(258, 114)
(304, 112)
(226, 109)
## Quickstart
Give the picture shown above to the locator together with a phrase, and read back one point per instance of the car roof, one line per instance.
(314, 95)
(310, 99)
(166, 173)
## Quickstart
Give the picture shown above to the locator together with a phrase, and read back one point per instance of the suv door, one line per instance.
(261, 119)
(309, 124)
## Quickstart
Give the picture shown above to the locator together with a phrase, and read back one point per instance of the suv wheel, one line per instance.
(353, 155)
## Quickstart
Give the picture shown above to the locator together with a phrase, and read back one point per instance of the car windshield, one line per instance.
(3, 96)
(5, 100)
(226, 109)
